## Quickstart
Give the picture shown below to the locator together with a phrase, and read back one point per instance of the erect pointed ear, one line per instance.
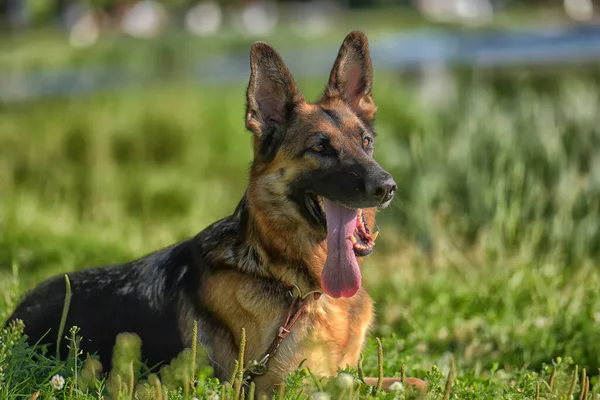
(351, 78)
(272, 92)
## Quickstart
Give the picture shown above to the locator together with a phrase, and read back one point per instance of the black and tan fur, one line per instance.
(237, 272)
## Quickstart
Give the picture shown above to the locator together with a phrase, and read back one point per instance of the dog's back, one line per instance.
(139, 297)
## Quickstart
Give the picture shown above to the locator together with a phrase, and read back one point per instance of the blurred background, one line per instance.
(122, 131)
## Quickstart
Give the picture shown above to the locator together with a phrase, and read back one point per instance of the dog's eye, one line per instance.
(318, 148)
(367, 142)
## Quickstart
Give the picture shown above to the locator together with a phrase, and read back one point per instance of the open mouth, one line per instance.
(348, 237)
(362, 239)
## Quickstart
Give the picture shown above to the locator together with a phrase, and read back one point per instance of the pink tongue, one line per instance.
(341, 274)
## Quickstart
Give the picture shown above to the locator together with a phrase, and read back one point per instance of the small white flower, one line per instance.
(57, 382)
(321, 396)
(212, 395)
(397, 387)
(345, 380)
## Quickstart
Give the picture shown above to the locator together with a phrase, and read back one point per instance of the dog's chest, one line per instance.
(329, 335)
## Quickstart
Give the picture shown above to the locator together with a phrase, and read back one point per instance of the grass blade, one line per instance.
(379, 365)
(63, 318)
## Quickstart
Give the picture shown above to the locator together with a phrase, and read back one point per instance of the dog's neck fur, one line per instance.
(271, 247)
(293, 252)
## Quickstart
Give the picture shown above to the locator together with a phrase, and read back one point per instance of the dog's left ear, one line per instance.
(351, 78)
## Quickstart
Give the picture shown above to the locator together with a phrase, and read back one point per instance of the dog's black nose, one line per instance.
(384, 189)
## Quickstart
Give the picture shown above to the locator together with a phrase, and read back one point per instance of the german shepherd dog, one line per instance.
(302, 227)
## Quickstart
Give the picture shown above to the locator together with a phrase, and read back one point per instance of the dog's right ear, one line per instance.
(272, 92)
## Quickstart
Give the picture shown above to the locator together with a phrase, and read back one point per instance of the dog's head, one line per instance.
(313, 162)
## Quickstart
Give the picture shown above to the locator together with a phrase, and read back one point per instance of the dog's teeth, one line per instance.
(375, 236)
(353, 240)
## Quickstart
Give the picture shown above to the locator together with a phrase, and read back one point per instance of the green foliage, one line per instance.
(27, 374)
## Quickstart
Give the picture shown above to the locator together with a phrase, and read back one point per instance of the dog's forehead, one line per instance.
(331, 118)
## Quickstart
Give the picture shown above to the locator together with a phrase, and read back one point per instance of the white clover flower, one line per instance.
(397, 387)
(345, 380)
(321, 396)
(212, 395)
(57, 382)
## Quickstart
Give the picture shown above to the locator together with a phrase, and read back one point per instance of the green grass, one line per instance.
(488, 257)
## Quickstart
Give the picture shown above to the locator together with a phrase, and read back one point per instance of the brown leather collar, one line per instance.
(297, 308)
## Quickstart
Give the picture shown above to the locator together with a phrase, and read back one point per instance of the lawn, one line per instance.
(486, 269)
